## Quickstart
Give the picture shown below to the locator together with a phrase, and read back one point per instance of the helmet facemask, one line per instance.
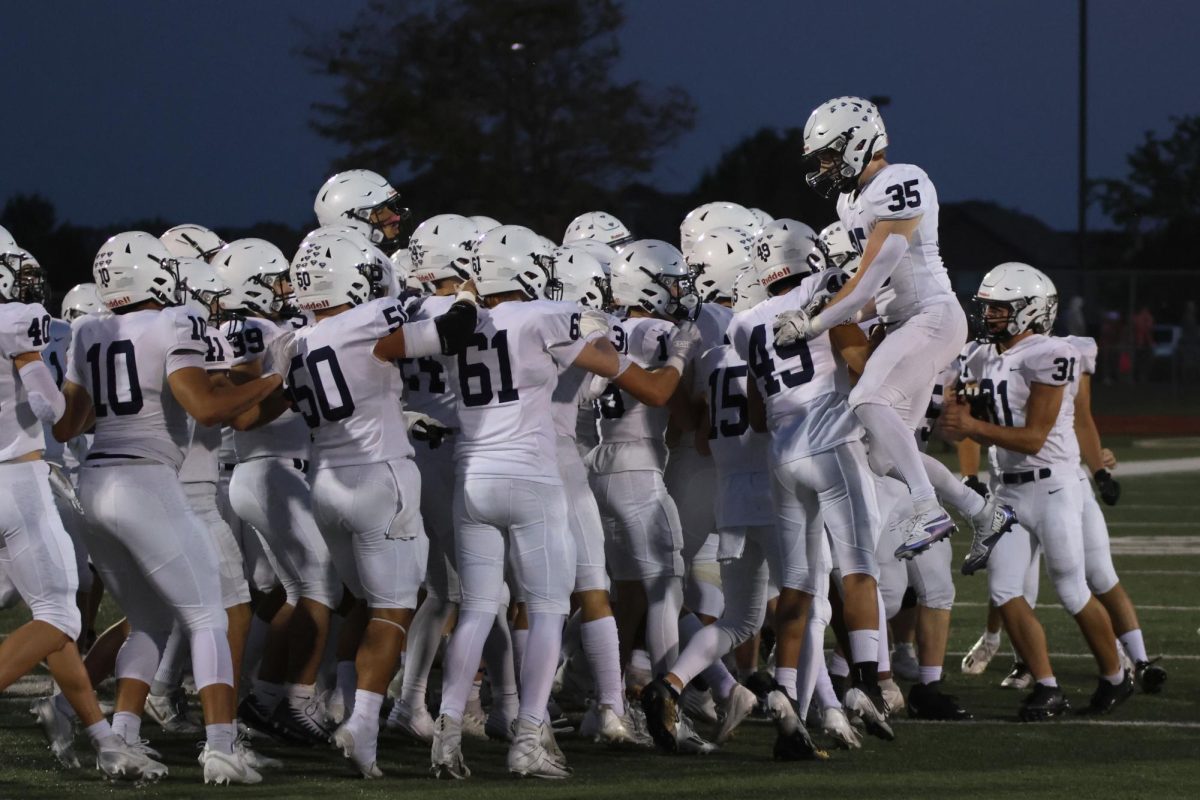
(282, 304)
(390, 213)
(684, 299)
(835, 179)
(31, 281)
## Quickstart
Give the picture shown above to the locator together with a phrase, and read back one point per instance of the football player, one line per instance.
(1023, 377)
(139, 374)
(365, 201)
(345, 379)
(600, 227)
(891, 212)
(37, 556)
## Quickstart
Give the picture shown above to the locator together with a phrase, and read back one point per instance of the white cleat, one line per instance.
(550, 745)
(979, 656)
(781, 710)
(118, 761)
(171, 714)
(59, 730)
(227, 768)
(921, 531)
(603, 725)
(635, 721)
(343, 737)
(699, 705)
(529, 758)
(335, 708)
(446, 752)
(255, 759)
(859, 705)
(1019, 677)
(474, 726)
(689, 742)
(413, 722)
(735, 709)
(836, 726)
(893, 697)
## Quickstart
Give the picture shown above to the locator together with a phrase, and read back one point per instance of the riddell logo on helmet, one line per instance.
(777, 275)
(119, 301)
(316, 305)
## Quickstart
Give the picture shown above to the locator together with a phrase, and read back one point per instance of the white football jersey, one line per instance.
(804, 386)
(349, 398)
(900, 191)
(201, 457)
(24, 328)
(55, 356)
(568, 405)
(1006, 379)
(428, 380)
(286, 436)
(506, 381)
(1088, 352)
(123, 362)
(720, 378)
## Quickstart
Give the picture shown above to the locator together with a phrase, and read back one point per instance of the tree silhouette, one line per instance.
(503, 107)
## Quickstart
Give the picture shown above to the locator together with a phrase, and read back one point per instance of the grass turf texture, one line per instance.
(1150, 747)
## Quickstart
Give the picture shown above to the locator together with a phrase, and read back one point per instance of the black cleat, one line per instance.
(1150, 676)
(660, 703)
(1044, 702)
(927, 701)
(304, 726)
(798, 746)
(252, 713)
(1110, 695)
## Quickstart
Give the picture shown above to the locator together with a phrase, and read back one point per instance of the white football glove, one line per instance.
(683, 343)
(791, 327)
(424, 428)
(592, 321)
(278, 358)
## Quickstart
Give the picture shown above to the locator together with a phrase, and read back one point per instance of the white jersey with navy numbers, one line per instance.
(720, 376)
(803, 385)
(55, 356)
(623, 418)
(569, 391)
(506, 381)
(349, 397)
(1006, 378)
(24, 328)
(123, 362)
(896, 192)
(200, 460)
(1086, 347)
(428, 380)
(286, 436)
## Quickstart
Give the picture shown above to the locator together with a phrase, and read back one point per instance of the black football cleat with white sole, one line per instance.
(1150, 676)
(660, 703)
(1110, 695)
(1043, 703)
(798, 746)
(928, 701)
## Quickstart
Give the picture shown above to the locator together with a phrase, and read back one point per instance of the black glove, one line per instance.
(456, 327)
(426, 429)
(1110, 490)
(974, 484)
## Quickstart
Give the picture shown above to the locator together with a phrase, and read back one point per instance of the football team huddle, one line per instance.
(605, 474)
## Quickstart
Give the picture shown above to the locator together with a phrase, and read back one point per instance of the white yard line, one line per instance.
(1165, 657)
(1105, 723)
(973, 604)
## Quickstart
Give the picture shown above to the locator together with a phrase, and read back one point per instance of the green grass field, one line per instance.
(1149, 748)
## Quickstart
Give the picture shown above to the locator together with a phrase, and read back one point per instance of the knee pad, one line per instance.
(1101, 578)
(1072, 592)
(937, 594)
(212, 661)
(139, 657)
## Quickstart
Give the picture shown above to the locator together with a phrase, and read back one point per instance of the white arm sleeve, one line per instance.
(871, 281)
(46, 401)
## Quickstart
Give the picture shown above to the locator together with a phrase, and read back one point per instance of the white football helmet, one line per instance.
(192, 241)
(719, 214)
(838, 247)
(402, 267)
(514, 259)
(7, 242)
(716, 259)
(583, 277)
(329, 270)
(600, 226)
(82, 300)
(748, 291)
(484, 223)
(441, 247)
(21, 276)
(134, 267)
(784, 249)
(200, 288)
(763, 219)
(256, 274)
(851, 131)
(1026, 293)
(652, 275)
(365, 201)
(601, 252)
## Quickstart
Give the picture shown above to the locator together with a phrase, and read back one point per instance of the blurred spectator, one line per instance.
(1076, 324)
(1112, 334)
(1143, 343)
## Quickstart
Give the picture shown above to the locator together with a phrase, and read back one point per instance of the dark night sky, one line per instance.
(198, 111)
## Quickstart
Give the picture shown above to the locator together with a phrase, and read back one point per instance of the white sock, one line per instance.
(268, 694)
(501, 672)
(884, 652)
(930, 674)
(461, 661)
(951, 490)
(99, 732)
(837, 666)
(540, 664)
(1051, 681)
(424, 636)
(1116, 678)
(895, 439)
(786, 678)
(991, 639)
(602, 649)
(128, 726)
(170, 670)
(1134, 645)
(520, 640)
(366, 713)
(220, 736)
(826, 697)
(864, 645)
(664, 601)
(812, 653)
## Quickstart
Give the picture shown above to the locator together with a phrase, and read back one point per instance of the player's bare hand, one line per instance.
(955, 422)
(1108, 459)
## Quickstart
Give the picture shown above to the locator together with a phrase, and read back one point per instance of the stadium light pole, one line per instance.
(1081, 223)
